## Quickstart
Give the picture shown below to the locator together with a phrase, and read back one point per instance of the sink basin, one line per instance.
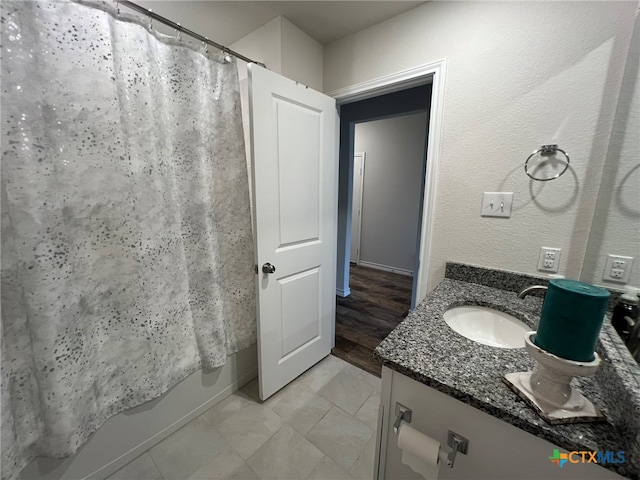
(487, 326)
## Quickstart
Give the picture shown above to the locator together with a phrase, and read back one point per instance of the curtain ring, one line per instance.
(226, 55)
(179, 30)
(206, 44)
(150, 19)
(117, 8)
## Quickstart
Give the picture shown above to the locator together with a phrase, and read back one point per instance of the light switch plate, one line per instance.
(497, 204)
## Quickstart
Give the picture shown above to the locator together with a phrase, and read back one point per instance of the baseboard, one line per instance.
(135, 452)
(343, 293)
(130, 433)
(400, 271)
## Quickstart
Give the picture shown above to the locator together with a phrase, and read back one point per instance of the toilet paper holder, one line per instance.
(457, 442)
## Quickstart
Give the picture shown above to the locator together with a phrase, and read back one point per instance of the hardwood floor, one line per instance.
(378, 302)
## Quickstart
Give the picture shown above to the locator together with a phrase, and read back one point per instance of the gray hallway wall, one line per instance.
(392, 185)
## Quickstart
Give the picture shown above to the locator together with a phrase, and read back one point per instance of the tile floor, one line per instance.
(321, 426)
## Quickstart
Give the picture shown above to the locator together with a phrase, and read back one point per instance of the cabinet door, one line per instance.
(497, 450)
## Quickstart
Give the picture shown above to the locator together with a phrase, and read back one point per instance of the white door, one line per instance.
(356, 209)
(294, 132)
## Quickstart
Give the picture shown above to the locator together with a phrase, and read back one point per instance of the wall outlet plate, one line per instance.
(497, 204)
(549, 259)
(617, 268)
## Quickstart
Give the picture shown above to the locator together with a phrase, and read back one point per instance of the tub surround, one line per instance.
(425, 349)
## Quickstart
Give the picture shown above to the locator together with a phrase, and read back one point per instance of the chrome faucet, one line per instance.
(531, 289)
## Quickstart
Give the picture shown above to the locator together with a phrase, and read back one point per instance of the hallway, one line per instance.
(378, 302)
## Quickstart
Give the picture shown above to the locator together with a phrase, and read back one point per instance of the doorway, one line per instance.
(430, 73)
(391, 132)
(433, 73)
(378, 302)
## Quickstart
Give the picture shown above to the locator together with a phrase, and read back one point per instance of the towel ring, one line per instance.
(546, 151)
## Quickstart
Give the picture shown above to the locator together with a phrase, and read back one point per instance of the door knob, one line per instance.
(268, 268)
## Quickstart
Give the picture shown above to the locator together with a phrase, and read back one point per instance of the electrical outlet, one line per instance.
(549, 259)
(617, 273)
(617, 268)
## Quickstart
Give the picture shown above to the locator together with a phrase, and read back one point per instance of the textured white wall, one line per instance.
(302, 56)
(519, 75)
(286, 50)
(392, 183)
(262, 45)
(616, 223)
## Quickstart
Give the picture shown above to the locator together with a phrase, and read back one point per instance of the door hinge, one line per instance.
(256, 269)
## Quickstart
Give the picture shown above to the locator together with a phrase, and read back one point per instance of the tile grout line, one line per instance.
(355, 415)
(249, 467)
(348, 470)
(319, 420)
(155, 464)
(363, 403)
(360, 453)
(360, 381)
(246, 460)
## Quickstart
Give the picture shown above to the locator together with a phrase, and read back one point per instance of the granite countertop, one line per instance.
(425, 349)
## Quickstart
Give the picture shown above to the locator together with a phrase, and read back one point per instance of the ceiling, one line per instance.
(228, 21)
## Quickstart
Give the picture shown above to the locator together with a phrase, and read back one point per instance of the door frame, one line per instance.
(362, 156)
(434, 73)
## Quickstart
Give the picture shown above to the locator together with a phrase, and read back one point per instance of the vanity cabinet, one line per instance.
(497, 450)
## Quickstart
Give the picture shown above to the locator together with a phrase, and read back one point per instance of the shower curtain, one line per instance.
(127, 256)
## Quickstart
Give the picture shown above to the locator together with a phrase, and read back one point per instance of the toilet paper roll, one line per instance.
(419, 451)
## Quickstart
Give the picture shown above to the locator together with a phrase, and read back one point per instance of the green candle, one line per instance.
(571, 319)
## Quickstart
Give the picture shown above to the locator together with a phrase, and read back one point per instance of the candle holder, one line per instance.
(548, 390)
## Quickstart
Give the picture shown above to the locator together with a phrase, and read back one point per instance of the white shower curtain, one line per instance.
(127, 257)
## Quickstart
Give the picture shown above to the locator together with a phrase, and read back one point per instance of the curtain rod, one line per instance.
(180, 28)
